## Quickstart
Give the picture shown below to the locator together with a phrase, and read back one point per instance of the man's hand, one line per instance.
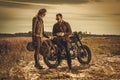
(50, 37)
(60, 34)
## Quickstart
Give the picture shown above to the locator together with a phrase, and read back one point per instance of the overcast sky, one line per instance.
(95, 16)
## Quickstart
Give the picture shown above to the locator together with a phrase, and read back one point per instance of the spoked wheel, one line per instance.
(51, 58)
(84, 54)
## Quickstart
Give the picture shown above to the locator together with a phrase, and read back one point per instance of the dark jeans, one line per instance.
(37, 49)
(63, 44)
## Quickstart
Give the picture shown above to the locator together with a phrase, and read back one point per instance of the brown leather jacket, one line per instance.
(63, 27)
(38, 27)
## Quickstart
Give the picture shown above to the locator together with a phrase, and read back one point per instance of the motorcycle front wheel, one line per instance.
(84, 54)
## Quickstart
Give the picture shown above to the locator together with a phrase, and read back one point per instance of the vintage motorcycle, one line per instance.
(49, 51)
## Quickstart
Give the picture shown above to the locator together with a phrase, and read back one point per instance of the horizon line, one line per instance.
(51, 32)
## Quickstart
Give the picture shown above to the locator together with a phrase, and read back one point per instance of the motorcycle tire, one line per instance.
(52, 57)
(50, 65)
(83, 52)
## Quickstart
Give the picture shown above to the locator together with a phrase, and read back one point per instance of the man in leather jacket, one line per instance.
(38, 34)
(62, 30)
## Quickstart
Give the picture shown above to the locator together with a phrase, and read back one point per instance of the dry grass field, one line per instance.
(16, 63)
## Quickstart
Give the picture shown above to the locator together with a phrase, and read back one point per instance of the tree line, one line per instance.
(29, 34)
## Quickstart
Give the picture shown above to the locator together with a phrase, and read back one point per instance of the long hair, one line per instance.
(41, 11)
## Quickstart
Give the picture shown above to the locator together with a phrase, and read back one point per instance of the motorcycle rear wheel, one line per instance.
(51, 60)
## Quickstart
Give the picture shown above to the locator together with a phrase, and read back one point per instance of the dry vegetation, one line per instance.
(12, 50)
(16, 63)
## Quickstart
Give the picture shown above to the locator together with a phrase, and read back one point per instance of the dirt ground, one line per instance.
(105, 64)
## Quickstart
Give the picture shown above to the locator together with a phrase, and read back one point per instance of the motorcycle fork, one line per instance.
(80, 44)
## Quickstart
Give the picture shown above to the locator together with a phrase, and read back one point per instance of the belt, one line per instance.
(38, 35)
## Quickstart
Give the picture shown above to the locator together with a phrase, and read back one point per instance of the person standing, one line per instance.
(62, 30)
(38, 34)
